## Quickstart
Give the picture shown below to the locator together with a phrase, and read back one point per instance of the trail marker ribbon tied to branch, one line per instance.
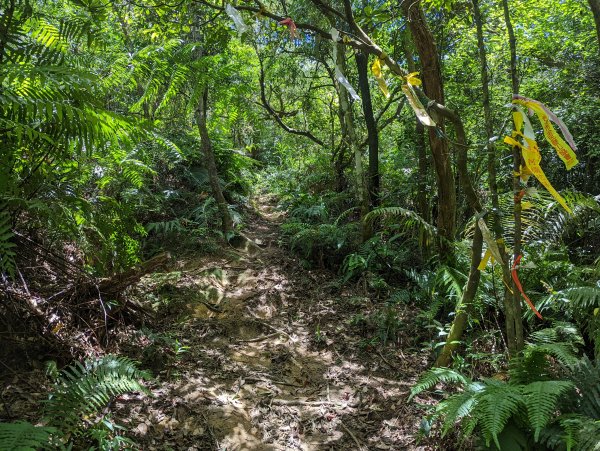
(529, 147)
(339, 75)
(532, 158)
(413, 99)
(288, 22)
(235, 15)
(376, 69)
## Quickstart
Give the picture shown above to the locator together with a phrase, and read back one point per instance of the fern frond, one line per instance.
(497, 402)
(589, 436)
(541, 400)
(458, 406)
(436, 375)
(7, 252)
(563, 352)
(83, 390)
(586, 377)
(25, 436)
(411, 219)
(582, 297)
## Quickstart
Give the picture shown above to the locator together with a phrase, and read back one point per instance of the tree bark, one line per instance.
(211, 165)
(432, 83)
(422, 165)
(349, 133)
(465, 306)
(373, 179)
(595, 7)
(512, 301)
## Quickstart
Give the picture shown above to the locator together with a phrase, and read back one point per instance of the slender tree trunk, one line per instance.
(372, 134)
(512, 301)
(211, 166)
(595, 6)
(423, 166)
(349, 133)
(464, 307)
(433, 86)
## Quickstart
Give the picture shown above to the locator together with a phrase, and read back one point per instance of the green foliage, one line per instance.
(75, 410)
(83, 390)
(548, 399)
(7, 247)
(24, 436)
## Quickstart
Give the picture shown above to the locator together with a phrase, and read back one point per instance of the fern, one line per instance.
(497, 402)
(83, 390)
(459, 406)
(436, 375)
(411, 219)
(541, 399)
(586, 377)
(7, 253)
(24, 436)
(582, 297)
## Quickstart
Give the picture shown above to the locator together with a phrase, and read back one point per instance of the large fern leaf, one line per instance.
(7, 253)
(541, 400)
(24, 436)
(436, 375)
(497, 402)
(83, 390)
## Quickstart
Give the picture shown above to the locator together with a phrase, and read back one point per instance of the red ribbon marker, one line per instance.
(288, 22)
(520, 287)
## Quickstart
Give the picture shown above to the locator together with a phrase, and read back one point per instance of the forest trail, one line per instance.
(267, 359)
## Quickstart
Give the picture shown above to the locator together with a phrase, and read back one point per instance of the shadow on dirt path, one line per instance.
(257, 354)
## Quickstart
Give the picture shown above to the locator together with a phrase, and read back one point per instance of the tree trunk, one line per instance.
(423, 166)
(373, 181)
(211, 166)
(595, 6)
(464, 308)
(431, 75)
(512, 301)
(349, 133)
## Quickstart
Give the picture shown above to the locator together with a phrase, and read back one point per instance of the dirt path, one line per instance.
(267, 360)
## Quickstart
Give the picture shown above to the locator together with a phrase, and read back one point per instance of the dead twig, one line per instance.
(360, 447)
(386, 362)
(257, 339)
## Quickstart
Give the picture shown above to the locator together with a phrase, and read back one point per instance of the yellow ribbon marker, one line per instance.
(417, 106)
(565, 152)
(532, 157)
(412, 79)
(376, 69)
(484, 261)
(492, 245)
(413, 99)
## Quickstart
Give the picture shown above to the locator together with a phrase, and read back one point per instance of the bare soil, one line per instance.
(268, 361)
(252, 351)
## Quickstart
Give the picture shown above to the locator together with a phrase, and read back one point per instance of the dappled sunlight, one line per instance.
(268, 364)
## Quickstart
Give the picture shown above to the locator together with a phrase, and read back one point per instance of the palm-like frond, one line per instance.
(410, 220)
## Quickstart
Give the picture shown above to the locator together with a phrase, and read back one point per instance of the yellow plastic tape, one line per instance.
(376, 69)
(417, 106)
(564, 151)
(484, 261)
(412, 79)
(532, 157)
(491, 242)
